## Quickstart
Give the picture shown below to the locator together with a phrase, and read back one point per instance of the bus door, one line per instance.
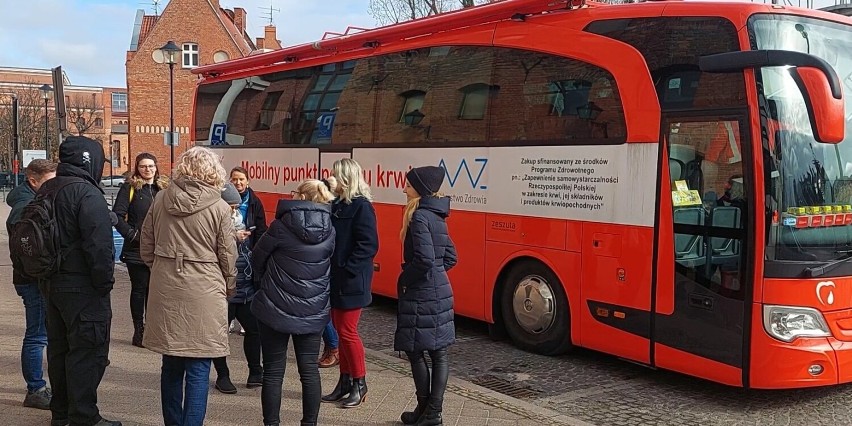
(699, 319)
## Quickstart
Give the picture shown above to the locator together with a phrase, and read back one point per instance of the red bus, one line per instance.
(669, 182)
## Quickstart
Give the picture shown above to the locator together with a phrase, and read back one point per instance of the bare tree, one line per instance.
(31, 130)
(395, 11)
(85, 113)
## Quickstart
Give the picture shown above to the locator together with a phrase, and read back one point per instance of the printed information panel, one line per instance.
(613, 184)
(277, 170)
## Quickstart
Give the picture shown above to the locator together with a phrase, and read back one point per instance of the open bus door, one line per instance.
(702, 284)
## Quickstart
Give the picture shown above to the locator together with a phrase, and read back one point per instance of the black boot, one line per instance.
(344, 386)
(430, 418)
(357, 395)
(411, 417)
(138, 330)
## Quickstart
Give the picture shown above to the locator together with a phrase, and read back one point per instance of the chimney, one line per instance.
(269, 38)
(240, 19)
(258, 42)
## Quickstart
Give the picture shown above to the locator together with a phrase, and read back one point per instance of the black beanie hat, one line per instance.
(85, 153)
(426, 180)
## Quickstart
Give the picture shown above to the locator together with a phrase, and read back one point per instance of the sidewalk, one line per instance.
(130, 389)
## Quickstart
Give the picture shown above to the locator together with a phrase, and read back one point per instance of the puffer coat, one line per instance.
(425, 308)
(188, 242)
(292, 261)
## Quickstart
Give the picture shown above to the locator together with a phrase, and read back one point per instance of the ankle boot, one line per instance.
(344, 386)
(330, 358)
(430, 418)
(357, 395)
(138, 330)
(411, 417)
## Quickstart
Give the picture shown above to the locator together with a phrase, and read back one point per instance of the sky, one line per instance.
(90, 38)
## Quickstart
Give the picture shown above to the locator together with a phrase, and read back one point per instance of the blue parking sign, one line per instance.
(325, 125)
(217, 135)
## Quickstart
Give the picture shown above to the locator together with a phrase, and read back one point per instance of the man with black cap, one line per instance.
(79, 312)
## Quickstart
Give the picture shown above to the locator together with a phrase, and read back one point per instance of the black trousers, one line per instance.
(78, 329)
(306, 348)
(140, 275)
(430, 385)
(251, 341)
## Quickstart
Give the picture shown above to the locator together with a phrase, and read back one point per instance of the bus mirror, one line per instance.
(826, 112)
(815, 77)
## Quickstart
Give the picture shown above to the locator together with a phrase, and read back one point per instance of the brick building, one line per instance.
(206, 33)
(96, 112)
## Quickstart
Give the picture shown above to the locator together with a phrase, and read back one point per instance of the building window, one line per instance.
(119, 102)
(475, 101)
(322, 100)
(190, 55)
(99, 123)
(413, 102)
(568, 95)
(267, 111)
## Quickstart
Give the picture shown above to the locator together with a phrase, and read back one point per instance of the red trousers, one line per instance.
(351, 355)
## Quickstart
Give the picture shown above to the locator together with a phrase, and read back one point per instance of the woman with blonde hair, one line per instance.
(188, 242)
(330, 353)
(292, 262)
(425, 309)
(356, 245)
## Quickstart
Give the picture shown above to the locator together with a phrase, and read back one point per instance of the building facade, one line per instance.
(205, 33)
(100, 113)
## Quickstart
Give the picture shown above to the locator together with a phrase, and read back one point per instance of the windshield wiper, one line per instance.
(819, 271)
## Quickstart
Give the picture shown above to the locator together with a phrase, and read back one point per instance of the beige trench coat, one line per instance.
(188, 242)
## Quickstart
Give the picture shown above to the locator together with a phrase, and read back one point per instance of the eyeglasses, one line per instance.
(148, 167)
(295, 194)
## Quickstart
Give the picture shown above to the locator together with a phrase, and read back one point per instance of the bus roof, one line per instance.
(518, 10)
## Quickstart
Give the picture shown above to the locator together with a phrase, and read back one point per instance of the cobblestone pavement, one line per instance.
(604, 390)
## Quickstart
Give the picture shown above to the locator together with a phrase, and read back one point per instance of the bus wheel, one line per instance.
(535, 309)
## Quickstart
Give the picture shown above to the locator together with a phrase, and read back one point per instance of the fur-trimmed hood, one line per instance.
(137, 182)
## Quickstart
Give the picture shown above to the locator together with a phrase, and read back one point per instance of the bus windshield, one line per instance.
(808, 184)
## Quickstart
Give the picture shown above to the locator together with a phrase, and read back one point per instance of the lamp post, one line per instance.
(45, 94)
(170, 54)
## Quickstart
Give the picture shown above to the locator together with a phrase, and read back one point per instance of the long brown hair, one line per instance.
(146, 156)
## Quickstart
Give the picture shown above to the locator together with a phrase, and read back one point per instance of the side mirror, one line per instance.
(815, 77)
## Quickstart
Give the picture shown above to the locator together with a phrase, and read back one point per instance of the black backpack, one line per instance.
(34, 240)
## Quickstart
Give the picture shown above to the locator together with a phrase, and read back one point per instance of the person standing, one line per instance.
(132, 203)
(425, 309)
(330, 353)
(79, 311)
(253, 225)
(188, 242)
(35, 336)
(292, 262)
(356, 244)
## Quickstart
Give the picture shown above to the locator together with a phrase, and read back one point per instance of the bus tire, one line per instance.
(535, 309)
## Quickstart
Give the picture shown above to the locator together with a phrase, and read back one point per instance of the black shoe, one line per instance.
(430, 418)
(255, 380)
(357, 395)
(60, 422)
(344, 386)
(39, 399)
(411, 417)
(105, 422)
(138, 331)
(224, 385)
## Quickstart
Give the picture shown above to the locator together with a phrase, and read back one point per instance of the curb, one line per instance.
(478, 393)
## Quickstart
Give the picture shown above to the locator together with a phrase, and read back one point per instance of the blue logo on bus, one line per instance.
(217, 135)
(476, 167)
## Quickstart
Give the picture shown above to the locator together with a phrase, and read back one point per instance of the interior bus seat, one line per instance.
(689, 249)
(722, 250)
(675, 170)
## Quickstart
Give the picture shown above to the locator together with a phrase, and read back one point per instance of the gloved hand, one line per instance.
(113, 218)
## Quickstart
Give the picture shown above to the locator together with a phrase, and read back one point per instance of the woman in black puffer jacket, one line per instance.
(425, 309)
(130, 207)
(291, 263)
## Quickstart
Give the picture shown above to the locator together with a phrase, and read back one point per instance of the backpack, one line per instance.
(35, 238)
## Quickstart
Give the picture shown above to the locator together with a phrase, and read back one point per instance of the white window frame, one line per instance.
(189, 55)
(117, 100)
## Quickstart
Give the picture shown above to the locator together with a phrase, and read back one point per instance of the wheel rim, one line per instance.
(534, 305)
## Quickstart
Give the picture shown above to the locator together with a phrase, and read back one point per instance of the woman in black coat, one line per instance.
(130, 207)
(425, 308)
(292, 262)
(356, 245)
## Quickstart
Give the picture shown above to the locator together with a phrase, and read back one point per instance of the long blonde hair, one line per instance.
(202, 164)
(350, 180)
(316, 191)
(407, 214)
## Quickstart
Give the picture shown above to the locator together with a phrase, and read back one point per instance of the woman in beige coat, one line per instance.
(188, 242)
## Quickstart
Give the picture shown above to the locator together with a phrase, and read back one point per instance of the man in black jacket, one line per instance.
(35, 337)
(79, 312)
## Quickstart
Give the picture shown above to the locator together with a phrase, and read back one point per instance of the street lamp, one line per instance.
(45, 94)
(170, 54)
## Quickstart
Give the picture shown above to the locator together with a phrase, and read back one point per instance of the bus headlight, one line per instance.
(787, 323)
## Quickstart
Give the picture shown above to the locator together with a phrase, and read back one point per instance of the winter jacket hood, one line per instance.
(84, 154)
(438, 205)
(308, 221)
(189, 195)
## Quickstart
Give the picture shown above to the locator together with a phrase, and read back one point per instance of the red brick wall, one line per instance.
(192, 21)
